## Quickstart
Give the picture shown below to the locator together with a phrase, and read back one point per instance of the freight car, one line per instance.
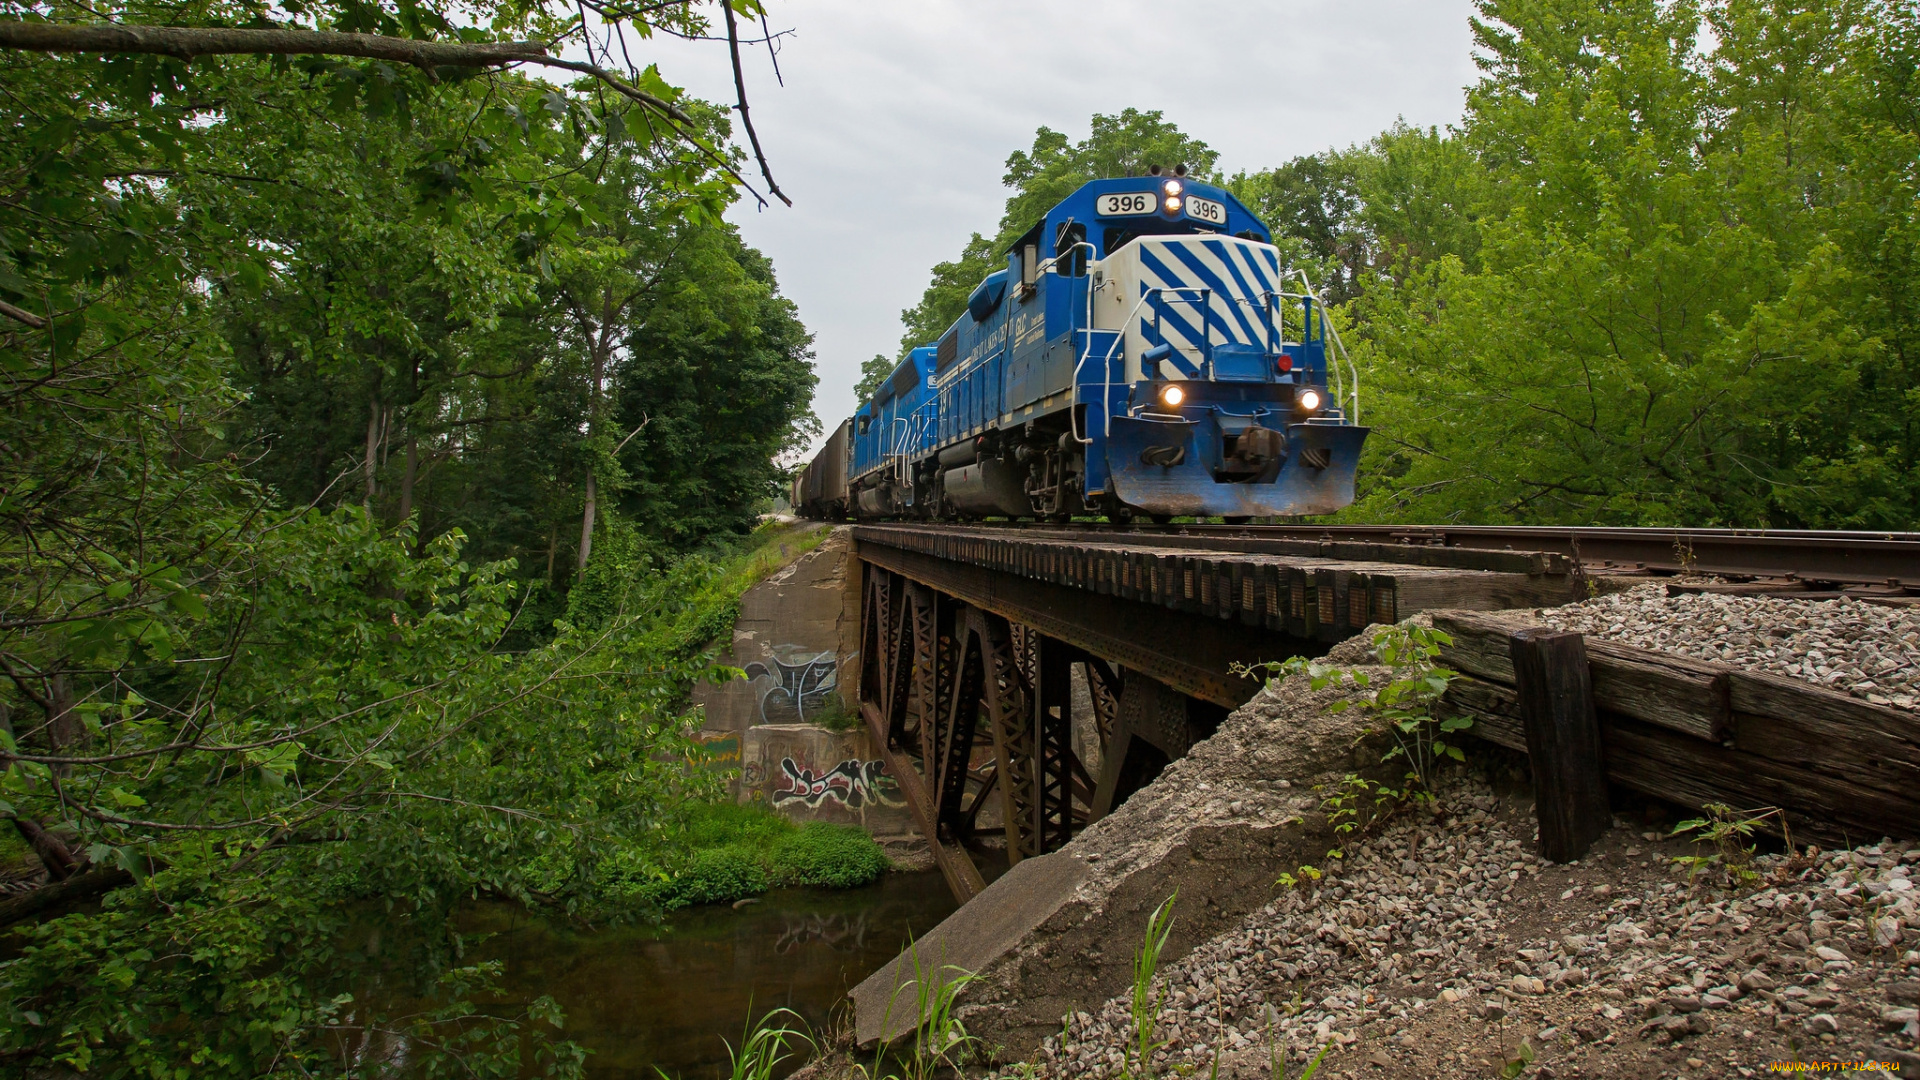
(1143, 352)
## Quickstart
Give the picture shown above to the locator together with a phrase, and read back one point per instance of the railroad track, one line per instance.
(1807, 563)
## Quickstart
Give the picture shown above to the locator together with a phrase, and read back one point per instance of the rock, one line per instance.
(1820, 1024)
(1829, 953)
(1570, 978)
(1906, 1059)
(1687, 1024)
(1756, 980)
(1795, 939)
(1685, 1003)
(1886, 932)
(1905, 990)
(1896, 1018)
(1714, 1001)
(1493, 1010)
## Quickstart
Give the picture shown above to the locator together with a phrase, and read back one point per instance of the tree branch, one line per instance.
(73, 890)
(187, 42)
(22, 315)
(740, 89)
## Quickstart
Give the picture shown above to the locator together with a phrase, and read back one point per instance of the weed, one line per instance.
(1346, 808)
(940, 1040)
(1146, 999)
(1727, 830)
(764, 1045)
(1405, 704)
(1314, 1065)
(834, 715)
(1517, 1064)
(1308, 875)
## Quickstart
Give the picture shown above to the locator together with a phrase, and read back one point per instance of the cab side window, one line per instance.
(1069, 260)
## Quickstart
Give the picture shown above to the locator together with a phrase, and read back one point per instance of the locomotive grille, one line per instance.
(949, 351)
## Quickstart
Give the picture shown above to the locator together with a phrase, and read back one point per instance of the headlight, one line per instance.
(1309, 401)
(1173, 204)
(1171, 396)
(1171, 187)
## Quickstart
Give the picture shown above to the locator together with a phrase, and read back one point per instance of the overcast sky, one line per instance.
(894, 126)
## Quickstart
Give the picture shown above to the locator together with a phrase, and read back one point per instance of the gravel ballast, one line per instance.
(1440, 945)
(1867, 650)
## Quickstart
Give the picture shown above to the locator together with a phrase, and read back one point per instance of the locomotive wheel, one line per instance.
(1161, 519)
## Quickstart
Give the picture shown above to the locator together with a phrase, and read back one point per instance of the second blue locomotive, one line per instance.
(1143, 352)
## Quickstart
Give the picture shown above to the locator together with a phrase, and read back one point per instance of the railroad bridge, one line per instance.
(969, 636)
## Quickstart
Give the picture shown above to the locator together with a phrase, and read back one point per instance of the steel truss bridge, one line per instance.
(969, 635)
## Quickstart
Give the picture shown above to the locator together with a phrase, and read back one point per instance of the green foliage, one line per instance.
(719, 852)
(766, 1044)
(1690, 292)
(940, 1039)
(1516, 1063)
(1405, 704)
(711, 876)
(294, 415)
(1308, 874)
(873, 372)
(1348, 810)
(828, 855)
(1407, 197)
(1727, 831)
(1147, 998)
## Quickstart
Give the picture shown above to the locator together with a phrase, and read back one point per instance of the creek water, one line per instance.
(647, 997)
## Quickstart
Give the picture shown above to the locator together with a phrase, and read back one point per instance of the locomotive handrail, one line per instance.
(1326, 324)
(1335, 382)
(1106, 373)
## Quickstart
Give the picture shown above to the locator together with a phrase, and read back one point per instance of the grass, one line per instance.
(765, 1045)
(1146, 999)
(940, 1040)
(722, 852)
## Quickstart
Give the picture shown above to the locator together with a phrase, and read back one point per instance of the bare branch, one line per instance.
(644, 421)
(740, 91)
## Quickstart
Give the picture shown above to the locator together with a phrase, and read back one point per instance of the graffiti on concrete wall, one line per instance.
(794, 677)
(853, 783)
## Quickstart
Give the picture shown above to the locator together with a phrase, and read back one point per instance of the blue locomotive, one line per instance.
(1142, 353)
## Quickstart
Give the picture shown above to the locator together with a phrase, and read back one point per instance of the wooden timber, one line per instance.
(1555, 690)
(1326, 592)
(1695, 732)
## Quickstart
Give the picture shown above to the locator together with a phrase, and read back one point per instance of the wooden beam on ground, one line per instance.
(1695, 732)
(1563, 741)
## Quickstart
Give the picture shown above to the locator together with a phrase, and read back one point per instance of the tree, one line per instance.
(1672, 316)
(1122, 145)
(872, 373)
(267, 705)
